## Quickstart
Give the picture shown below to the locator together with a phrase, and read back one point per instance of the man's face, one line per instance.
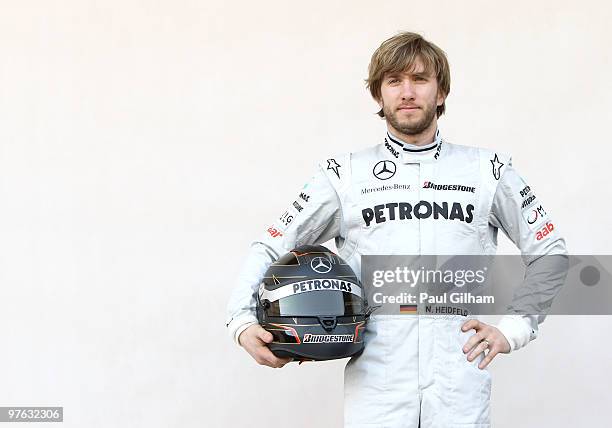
(409, 99)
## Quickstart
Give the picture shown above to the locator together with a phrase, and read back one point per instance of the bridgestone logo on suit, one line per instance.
(457, 187)
(423, 209)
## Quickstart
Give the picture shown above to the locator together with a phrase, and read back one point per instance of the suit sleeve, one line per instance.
(312, 217)
(519, 213)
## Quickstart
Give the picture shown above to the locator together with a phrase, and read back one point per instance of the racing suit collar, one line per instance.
(409, 153)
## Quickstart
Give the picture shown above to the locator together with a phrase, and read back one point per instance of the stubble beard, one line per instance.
(407, 127)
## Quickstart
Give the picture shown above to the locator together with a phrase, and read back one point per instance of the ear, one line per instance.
(441, 96)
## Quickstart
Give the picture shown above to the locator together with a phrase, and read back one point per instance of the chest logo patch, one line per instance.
(384, 169)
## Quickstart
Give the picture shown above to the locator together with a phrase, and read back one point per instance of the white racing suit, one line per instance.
(376, 201)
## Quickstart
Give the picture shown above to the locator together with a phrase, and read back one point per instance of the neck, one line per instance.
(421, 139)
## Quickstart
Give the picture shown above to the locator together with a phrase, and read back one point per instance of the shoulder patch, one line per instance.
(495, 162)
(497, 166)
(334, 166)
(338, 170)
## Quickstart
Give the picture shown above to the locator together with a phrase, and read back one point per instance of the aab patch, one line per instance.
(545, 231)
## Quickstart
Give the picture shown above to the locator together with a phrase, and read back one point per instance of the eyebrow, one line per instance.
(423, 73)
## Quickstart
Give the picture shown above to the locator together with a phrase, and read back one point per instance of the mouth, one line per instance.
(407, 108)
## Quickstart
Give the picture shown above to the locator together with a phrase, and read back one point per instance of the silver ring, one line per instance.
(486, 342)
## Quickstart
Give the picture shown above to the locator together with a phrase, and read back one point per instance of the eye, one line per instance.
(393, 80)
(420, 79)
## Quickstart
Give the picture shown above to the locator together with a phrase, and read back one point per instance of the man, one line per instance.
(420, 370)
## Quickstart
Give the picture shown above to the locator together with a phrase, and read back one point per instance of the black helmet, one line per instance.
(313, 304)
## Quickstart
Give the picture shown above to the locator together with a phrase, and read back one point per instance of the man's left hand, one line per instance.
(486, 337)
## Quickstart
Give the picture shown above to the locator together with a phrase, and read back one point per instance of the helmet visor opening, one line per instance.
(317, 303)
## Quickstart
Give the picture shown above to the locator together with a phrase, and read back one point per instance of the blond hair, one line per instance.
(399, 54)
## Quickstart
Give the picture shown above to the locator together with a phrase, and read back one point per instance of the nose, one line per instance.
(407, 91)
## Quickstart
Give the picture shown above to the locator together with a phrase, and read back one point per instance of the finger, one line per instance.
(473, 341)
(278, 361)
(488, 358)
(470, 324)
(283, 361)
(477, 351)
(264, 335)
(264, 358)
(275, 361)
(272, 360)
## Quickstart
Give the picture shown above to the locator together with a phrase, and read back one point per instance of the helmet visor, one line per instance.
(317, 303)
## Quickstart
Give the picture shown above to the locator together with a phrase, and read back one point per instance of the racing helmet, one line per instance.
(313, 304)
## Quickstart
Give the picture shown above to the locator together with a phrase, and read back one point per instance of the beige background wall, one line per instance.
(143, 144)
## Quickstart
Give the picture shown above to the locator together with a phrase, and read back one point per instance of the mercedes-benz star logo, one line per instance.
(384, 170)
(320, 265)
